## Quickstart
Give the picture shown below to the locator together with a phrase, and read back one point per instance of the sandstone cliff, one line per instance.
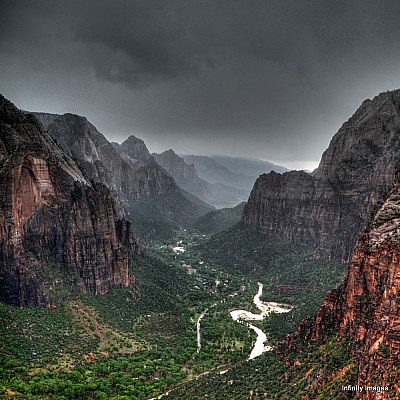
(329, 208)
(365, 309)
(58, 230)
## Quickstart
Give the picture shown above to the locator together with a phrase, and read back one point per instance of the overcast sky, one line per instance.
(270, 79)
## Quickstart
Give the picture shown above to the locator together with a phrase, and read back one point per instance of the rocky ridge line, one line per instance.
(329, 208)
(127, 169)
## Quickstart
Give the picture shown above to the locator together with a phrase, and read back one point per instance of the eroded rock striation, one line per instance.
(329, 208)
(58, 229)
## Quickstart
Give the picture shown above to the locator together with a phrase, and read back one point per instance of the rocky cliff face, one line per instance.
(366, 307)
(328, 209)
(133, 150)
(144, 192)
(176, 165)
(111, 164)
(58, 231)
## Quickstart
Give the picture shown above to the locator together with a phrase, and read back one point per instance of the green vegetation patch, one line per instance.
(161, 216)
(318, 371)
(290, 273)
(37, 336)
(219, 220)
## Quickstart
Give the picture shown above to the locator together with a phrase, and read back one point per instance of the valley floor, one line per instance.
(178, 325)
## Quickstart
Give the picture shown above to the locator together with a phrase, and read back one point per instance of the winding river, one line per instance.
(242, 317)
(266, 308)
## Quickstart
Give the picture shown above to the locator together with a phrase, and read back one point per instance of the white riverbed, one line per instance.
(198, 330)
(179, 249)
(242, 316)
(266, 308)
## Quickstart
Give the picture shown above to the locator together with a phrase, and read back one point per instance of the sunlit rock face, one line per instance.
(57, 229)
(329, 208)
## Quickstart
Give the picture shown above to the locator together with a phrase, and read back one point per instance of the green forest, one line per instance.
(137, 344)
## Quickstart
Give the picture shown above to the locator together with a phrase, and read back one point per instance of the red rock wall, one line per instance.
(366, 307)
(53, 220)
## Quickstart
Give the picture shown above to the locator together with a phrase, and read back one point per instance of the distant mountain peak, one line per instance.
(185, 173)
(369, 108)
(175, 165)
(135, 148)
(239, 172)
(111, 164)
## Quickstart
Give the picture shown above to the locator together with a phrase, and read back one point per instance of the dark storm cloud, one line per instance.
(131, 41)
(277, 77)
